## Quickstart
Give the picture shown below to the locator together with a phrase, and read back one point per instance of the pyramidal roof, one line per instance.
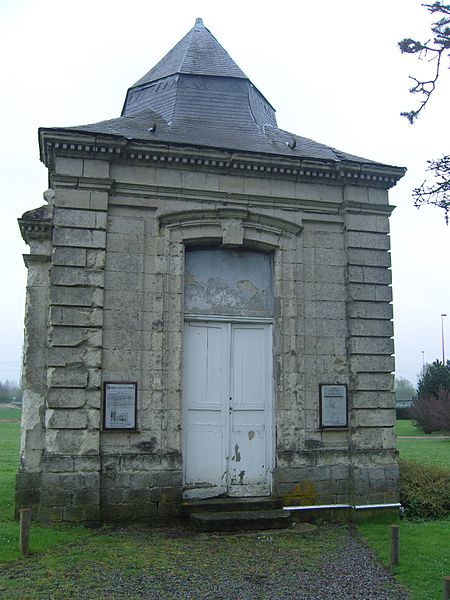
(197, 96)
(198, 81)
(198, 53)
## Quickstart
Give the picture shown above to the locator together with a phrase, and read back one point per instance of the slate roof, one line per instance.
(198, 53)
(197, 96)
(270, 140)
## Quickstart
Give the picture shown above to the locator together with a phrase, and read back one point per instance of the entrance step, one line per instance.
(241, 520)
(227, 504)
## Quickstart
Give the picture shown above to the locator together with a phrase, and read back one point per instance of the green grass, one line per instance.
(424, 554)
(132, 556)
(425, 449)
(42, 538)
(10, 413)
(428, 452)
(9, 456)
(407, 427)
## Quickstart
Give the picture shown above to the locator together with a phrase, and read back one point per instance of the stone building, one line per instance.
(208, 307)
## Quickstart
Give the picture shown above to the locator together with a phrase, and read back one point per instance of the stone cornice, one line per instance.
(116, 148)
(35, 229)
(367, 209)
(32, 259)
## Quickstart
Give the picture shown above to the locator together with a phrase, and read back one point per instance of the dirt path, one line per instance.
(328, 564)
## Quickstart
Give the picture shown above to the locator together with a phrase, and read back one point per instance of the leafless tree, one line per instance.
(436, 51)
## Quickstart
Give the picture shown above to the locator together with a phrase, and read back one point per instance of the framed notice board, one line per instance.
(333, 405)
(119, 405)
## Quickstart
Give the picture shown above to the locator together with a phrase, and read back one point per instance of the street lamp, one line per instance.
(442, 336)
(423, 363)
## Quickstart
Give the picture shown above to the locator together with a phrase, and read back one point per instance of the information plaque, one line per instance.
(119, 405)
(333, 405)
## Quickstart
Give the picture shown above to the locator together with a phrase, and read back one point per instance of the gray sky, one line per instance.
(331, 69)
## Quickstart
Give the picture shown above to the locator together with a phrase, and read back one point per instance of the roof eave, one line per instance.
(104, 145)
(78, 141)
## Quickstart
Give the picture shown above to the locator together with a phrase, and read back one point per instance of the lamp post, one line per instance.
(423, 363)
(442, 336)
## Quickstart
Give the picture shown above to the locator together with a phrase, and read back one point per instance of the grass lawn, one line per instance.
(407, 427)
(425, 449)
(120, 563)
(9, 458)
(10, 413)
(42, 538)
(429, 452)
(424, 554)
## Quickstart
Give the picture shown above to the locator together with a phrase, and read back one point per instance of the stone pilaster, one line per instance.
(71, 488)
(35, 227)
(370, 351)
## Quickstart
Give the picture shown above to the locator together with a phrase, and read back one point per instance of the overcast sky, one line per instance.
(331, 69)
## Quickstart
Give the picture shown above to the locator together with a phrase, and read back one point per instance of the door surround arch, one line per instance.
(224, 228)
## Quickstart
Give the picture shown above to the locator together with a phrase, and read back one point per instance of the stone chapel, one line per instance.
(208, 307)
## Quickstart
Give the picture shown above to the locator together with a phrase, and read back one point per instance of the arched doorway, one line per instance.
(227, 373)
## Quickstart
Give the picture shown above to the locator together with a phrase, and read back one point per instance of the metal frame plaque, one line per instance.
(119, 405)
(333, 405)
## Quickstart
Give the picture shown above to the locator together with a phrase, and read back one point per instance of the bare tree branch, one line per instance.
(438, 193)
(436, 47)
(435, 50)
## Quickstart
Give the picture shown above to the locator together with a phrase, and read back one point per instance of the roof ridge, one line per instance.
(198, 44)
(190, 42)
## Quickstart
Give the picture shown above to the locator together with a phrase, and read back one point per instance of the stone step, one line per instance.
(227, 504)
(241, 520)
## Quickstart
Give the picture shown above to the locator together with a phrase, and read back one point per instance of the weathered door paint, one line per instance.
(227, 409)
(205, 387)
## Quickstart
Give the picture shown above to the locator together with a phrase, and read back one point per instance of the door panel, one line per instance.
(248, 469)
(227, 382)
(205, 385)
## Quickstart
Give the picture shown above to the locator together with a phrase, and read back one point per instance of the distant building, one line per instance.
(404, 403)
(208, 307)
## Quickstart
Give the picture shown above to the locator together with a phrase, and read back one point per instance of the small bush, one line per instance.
(424, 490)
(432, 413)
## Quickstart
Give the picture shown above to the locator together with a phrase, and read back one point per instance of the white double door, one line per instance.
(227, 409)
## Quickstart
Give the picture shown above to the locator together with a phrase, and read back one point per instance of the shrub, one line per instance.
(402, 413)
(435, 376)
(431, 412)
(424, 490)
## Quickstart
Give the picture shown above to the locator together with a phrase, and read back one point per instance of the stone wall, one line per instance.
(111, 302)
